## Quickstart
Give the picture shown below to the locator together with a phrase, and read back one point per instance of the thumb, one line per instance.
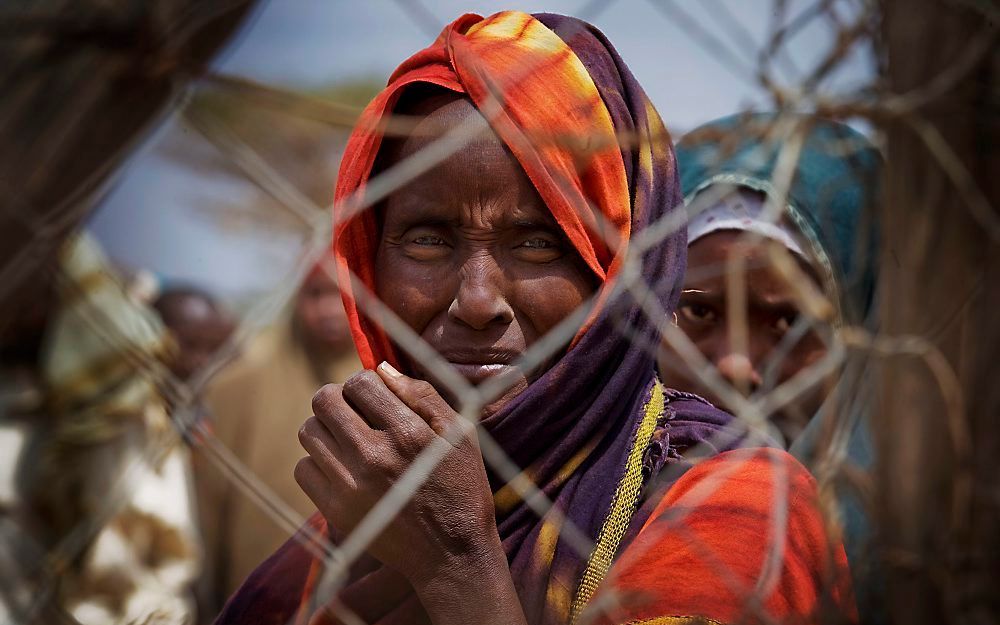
(423, 399)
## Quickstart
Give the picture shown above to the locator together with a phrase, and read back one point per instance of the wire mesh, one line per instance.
(851, 347)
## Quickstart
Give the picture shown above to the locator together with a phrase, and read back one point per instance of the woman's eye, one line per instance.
(697, 313)
(425, 245)
(429, 239)
(539, 249)
(539, 243)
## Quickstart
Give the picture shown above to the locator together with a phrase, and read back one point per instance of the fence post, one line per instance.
(939, 436)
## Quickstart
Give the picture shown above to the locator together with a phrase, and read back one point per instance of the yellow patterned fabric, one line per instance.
(677, 620)
(622, 506)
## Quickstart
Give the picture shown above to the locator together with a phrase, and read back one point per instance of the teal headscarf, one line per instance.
(830, 200)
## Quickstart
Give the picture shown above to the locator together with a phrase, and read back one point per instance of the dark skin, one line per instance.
(471, 259)
(771, 312)
(320, 314)
(198, 325)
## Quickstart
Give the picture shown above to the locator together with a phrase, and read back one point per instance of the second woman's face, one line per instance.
(769, 356)
(471, 258)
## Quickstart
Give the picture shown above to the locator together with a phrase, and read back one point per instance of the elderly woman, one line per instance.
(537, 213)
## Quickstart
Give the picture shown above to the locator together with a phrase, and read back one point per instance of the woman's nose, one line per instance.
(740, 371)
(480, 301)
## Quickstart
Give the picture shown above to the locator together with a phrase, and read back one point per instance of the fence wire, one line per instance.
(32, 581)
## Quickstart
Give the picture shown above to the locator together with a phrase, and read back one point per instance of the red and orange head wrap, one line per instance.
(543, 104)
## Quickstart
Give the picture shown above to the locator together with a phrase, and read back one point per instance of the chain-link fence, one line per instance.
(907, 360)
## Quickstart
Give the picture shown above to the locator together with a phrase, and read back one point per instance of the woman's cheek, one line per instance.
(803, 357)
(548, 300)
(416, 292)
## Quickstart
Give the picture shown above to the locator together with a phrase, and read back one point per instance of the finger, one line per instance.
(339, 418)
(318, 487)
(421, 397)
(322, 447)
(378, 405)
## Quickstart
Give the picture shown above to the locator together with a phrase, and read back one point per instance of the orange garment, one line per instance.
(706, 548)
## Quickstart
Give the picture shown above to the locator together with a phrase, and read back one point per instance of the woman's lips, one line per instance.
(477, 372)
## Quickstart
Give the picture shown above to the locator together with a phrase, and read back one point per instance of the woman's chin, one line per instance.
(490, 401)
(498, 404)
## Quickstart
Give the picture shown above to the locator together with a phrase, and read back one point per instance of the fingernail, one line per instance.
(389, 370)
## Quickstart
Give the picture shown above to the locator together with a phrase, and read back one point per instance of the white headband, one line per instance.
(743, 210)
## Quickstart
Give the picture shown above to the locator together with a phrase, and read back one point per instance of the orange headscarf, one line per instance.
(584, 185)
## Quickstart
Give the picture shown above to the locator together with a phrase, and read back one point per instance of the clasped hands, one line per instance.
(363, 436)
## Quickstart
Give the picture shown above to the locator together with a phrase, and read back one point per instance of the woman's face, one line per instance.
(470, 257)
(771, 312)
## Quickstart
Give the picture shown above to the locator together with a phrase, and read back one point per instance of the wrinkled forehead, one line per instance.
(711, 255)
(479, 171)
(427, 113)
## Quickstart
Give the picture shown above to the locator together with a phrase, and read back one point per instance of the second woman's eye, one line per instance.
(697, 313)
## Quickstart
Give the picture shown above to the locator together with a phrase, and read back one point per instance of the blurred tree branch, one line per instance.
(81, 84)
(281, 130)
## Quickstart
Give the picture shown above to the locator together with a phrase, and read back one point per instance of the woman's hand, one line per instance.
(365, 434)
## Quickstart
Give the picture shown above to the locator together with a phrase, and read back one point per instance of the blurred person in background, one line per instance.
(256, 406)
(827, 223)
(100, 516)
(198, 325)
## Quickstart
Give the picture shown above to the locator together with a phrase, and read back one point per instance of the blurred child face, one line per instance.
(770, 313)
(200, 329)
(320, 313)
